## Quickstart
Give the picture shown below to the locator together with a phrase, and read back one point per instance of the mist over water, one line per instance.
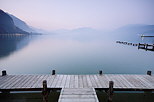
(73, 54)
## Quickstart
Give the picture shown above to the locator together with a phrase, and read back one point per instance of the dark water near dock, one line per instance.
(39, 54)
(28, 97)
(126, 97)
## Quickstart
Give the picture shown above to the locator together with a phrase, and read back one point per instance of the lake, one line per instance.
(67, 54)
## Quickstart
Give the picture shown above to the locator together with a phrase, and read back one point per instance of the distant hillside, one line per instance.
(7, 25)
(136, 30)
(21, 24)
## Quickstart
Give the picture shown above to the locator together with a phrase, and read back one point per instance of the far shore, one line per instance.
(18, 34)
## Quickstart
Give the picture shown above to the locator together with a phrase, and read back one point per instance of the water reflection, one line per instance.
(70, 55)
(147, 40)
(11, 43)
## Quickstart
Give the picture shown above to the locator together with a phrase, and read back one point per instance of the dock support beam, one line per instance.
(45, 91)
(149, 73)
(4, 73)
(53, 72)
(110, 91)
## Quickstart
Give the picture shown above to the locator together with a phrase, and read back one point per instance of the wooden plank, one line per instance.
(78, 100)
(34, 81)
(128, 84)
(76, 81)
(124, 82)
(128, 79)
(40, 84)
(131, 79)
(59, 81)
(97, 81)
(85, 83)
(61, 94)
(12, 82)
(36, 85)
(103, 81)
(151, 84)
(28, 83)
(143, 81)
(93, 81)
(78, 95)
(6, 80)
(117, 81)
(18, 85)
(71, 81)
(55, 81)
(137, 82)
(89, 81)
(67, 85)
(108, 78)
(150, 79)
(15, 82)
(62, 85)
(51, 80)
(24, 84)
(80, 81)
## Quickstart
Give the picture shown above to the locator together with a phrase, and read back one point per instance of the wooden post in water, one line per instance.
(45, 91)
(4, 73)
(146, 46)
(110, 91)
(100, 72)
(53, 72)
(138, 45)
(149, 73)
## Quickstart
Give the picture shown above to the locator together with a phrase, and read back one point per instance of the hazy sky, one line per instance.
(70, 14)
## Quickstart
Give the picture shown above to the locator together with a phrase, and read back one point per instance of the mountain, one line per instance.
(21, 24)
(137, 28)
(7, 25)
(133, 31)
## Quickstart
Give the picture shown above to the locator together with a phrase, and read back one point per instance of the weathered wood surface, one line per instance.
(121, 81)
(78, 95)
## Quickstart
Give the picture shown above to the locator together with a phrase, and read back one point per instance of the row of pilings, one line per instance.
(126, 43)
(144, 46)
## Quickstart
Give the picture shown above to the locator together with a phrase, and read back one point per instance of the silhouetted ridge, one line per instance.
(21, 24)
(7, 25)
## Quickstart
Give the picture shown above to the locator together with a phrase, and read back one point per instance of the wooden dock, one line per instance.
(79, 88)
(146, 47)
(147, 36)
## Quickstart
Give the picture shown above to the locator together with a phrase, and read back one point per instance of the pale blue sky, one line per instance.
(70, 14)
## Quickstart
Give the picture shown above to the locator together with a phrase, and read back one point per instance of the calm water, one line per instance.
(39, 54)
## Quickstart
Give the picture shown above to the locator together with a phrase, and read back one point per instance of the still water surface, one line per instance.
(39, 54)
